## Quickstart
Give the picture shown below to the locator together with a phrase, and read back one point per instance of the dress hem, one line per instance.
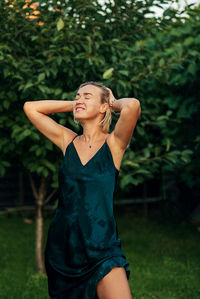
(108, 268)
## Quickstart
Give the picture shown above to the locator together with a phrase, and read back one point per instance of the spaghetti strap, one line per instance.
(74, 137)
(70, 143)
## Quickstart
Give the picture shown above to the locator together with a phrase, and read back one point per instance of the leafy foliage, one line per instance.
(68, 42)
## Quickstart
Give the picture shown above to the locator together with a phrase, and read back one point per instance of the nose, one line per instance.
(80, 99)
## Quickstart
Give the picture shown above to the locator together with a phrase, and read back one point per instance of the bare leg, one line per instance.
(114, 285)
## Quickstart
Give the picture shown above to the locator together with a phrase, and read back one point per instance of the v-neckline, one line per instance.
(84, 165)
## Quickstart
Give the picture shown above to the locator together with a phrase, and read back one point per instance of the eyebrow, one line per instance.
(85, 93)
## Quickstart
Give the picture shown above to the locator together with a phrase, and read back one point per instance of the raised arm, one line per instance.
(37, 112)
(130, 111)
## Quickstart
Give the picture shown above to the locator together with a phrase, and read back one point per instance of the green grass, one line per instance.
(164, 258)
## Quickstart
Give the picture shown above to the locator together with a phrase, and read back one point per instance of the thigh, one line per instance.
(114, 285)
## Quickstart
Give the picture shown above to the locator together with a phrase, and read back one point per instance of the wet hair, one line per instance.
(106, 121)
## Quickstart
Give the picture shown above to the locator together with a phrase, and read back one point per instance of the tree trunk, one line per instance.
(41, 200)
(39, 238)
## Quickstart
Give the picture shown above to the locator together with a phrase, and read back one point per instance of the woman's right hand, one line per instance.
(37, 112)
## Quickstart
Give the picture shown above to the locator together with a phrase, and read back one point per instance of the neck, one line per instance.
(92, 133)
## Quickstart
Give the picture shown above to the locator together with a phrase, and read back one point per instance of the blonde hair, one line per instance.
(106, 121)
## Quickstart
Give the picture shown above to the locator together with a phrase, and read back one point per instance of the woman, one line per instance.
(83, 254)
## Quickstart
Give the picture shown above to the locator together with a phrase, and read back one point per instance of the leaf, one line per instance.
(157, 150)
(138, 180)
(6, 72)
(192, 68)
(140, 130)
(161, 62)
(43, 89)
(6, 104)
(169, 112)
(57, 91)
(41, 77)
(197, 40)
(142, 171)
(49, 145)
(124, 72)
(127, 179)
(26, 132)
(146, 153)
(59, 60)
(38, 151)
(131, 163)
(34, 37)
(89, 44)
(162, 117)
(168, 144)
(185, 159)
(60, 24)
(187, 152)
(188, 41)
(137, 77)
(45, 172)
(28, 84)
(171, 159)
(108, 74)
(49, 165)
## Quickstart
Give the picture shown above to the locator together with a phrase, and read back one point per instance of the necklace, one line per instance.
(88, 145)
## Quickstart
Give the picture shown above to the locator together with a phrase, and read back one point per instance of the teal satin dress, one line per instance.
(83, 244)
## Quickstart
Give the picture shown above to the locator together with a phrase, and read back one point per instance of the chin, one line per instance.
(79, 120)
(78, 117)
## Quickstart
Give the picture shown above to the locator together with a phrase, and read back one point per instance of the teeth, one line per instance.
(78, 109)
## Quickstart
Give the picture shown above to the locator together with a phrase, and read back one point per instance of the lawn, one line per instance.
(164, 257)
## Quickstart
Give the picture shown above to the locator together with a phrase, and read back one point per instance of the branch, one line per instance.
(42, 188)
(49, 197)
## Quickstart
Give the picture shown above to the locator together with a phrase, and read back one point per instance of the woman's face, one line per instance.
(88, 103)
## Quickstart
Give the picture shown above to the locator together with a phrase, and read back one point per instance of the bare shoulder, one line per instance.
(68, 136)
(116, 150)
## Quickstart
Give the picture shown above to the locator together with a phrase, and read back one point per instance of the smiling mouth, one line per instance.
(79, 109)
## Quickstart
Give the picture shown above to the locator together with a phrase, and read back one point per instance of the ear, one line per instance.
(104, 107)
